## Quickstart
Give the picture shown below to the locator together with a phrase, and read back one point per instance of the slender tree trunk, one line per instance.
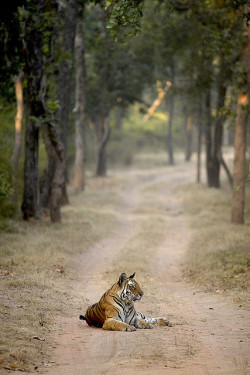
(218, 134)
(103, 134)
(169, 135)
(228, 173)
(119, 117)
(34, 70)
(188, 138)
(18, 124)
(199, 120)
(80, 98)
(240, 140)
(170, 122)
(65, 78)
(159, 99)
(208, 131)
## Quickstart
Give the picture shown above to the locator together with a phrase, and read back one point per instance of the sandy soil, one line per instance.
(209, 335)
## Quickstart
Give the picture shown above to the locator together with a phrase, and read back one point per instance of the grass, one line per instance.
(33, 271)
(218, 258)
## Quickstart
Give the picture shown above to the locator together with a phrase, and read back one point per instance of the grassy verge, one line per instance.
(218, 258)
(33, 271)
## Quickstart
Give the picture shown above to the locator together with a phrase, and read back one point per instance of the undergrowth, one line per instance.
(218, 258)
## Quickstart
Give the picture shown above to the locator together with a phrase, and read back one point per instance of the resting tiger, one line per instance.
(115, 311)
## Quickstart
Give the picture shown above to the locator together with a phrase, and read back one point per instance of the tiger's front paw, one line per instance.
(129, 329)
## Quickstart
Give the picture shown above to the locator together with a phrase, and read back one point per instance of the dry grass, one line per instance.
(33, 271)
(218, 256)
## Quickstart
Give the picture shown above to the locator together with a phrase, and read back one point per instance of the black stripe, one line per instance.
(119, 303)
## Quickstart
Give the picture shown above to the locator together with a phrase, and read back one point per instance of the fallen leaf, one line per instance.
(38, 338)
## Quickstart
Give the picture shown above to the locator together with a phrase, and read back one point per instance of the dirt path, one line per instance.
(209, 336)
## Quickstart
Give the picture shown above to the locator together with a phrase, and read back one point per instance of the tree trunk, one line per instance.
(103, 133)
(80, 99)
(33, 39)
(239, 174)
(159, 99)
(170, 122)
(218, 134)
(240, 141)
(208, 131)
(45, 181)
(119, 117)
(169, 135)
(18, 125)
(199, 120)
(188, 138)
(56, 147)
(65, 77)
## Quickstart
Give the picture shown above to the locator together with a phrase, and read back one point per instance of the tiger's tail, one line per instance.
(82, 317)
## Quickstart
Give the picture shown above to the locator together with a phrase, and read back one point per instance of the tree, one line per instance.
(18, 123)
(80, 100)
(39, 25)
(33, 43)
(239, 174)
(65, 76)
(115, 78)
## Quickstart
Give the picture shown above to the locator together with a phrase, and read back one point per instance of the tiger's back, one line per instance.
(96, 314)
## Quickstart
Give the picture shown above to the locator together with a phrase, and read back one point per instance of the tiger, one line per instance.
(116, 312)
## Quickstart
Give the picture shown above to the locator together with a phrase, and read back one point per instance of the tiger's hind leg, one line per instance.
(141, 323)
(160, 320)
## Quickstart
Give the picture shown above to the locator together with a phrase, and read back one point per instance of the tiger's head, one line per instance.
(130, 289)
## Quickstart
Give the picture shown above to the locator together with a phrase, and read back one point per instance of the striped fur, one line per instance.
(115, 311)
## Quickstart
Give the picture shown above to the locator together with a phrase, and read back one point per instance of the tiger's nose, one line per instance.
(141, 293)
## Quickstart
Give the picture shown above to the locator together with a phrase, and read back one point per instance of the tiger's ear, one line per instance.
(132, 276)
(122, 279)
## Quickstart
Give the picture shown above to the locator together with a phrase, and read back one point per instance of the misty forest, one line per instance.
(124, 147)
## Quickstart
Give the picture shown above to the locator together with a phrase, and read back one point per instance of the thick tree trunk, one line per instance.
(65, 78)
(34, 70)
(46, 179)
(56, 147)
(103, 133)
(240, 140)
(80, 99)
(239, 174)
(18, 124)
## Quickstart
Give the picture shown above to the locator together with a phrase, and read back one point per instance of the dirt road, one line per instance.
(209, 335)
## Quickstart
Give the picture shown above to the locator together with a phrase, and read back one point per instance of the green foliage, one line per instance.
(124, 17)
(7, 205)
(114, 71)
(6, 187)
(8, 201)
